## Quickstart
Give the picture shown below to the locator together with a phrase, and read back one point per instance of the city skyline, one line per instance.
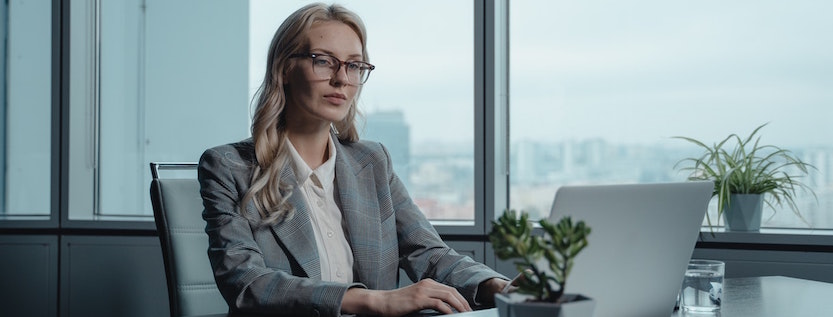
(632, 76)
(537, 169)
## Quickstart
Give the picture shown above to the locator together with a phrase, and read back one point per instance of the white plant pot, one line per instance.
(516, 305)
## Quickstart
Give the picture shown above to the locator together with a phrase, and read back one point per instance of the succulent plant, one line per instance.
(512, 237)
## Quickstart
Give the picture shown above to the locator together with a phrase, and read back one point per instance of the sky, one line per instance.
(627, 72)
(431, 84)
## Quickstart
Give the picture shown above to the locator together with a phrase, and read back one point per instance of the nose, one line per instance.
(339, 78)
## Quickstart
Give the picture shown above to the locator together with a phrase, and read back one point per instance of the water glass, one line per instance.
(702, 289)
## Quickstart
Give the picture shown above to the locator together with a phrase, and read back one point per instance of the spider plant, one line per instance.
(745, 166)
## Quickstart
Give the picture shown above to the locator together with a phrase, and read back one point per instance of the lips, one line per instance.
(335, 98)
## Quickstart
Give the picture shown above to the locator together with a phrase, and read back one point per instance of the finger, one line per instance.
(462, 300)
(441, 306)
(450, 297)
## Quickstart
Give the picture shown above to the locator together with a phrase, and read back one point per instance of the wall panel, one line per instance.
(112, 276)
(29, 275)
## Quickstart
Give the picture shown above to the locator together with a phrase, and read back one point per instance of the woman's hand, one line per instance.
(487, 289)
(425, 294)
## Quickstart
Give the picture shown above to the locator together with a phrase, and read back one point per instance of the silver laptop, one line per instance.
(642, 237)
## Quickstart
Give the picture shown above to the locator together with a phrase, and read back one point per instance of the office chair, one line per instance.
(177, 209)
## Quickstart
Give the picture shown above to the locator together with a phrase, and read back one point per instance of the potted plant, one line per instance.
(744, 171)
(512, 238)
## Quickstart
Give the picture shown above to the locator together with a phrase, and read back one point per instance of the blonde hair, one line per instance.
(269, 120)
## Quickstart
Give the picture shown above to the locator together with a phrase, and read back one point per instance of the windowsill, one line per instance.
(822, 237)
(120, 218)
(111, 222)
(452, 223)
(4, 217)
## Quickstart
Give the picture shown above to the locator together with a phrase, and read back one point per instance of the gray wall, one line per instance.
(29, 275)
(744, 263)
(98, 276)
(112, 276)
(125, 276)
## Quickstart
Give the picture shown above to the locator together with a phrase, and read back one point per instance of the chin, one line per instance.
(337, 116)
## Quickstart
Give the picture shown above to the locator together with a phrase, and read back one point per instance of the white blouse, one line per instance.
(334, 252)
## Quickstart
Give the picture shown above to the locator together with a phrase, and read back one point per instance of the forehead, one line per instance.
(334, 37)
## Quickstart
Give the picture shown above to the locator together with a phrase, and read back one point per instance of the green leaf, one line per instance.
(749, 167)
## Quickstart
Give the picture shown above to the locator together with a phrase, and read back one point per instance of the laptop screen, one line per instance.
(642, 237)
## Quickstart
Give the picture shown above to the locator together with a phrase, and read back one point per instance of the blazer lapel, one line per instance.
(356, 192)
(296, 233)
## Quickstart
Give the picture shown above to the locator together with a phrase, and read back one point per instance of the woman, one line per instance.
(303, 218)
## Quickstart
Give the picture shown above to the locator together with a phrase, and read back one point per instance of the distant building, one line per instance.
(390, 128)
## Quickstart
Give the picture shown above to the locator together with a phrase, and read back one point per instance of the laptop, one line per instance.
(641, 240)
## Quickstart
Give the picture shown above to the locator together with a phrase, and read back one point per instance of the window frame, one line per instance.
(484, 132)
(491, 115)
(65, 130)
(50, 220)
(766, 238)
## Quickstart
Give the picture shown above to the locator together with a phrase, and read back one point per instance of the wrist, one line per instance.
(485, 294)
(358, 301)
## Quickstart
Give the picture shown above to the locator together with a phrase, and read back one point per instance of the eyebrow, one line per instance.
(328, 52)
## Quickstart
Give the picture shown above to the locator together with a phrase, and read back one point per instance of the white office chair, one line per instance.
(177, 209)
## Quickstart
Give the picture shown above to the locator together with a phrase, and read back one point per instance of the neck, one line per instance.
(313, 147)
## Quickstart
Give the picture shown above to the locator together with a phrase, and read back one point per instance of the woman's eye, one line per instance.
(322, 62)
(354, 66)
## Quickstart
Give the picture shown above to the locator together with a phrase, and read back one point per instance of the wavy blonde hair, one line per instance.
(269, 120)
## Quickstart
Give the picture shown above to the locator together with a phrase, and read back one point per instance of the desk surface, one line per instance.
(767, 296)
(774, 296)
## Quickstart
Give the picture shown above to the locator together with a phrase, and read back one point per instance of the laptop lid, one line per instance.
(642, 237)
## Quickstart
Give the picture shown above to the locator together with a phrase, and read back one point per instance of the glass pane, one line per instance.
(599, 98)
(419, 102)
(173, 83)
(25, 117)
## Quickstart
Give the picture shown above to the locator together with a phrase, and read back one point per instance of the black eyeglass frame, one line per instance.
(363, 66)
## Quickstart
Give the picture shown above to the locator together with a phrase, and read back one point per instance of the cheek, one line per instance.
(296, 75)
(353, 93)
(297, 84)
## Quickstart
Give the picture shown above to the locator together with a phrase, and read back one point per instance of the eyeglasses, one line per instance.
(326, 66)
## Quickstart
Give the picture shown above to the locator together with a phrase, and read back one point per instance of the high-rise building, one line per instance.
(389, 128)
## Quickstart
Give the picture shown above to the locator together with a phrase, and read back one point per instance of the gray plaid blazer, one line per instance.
(275, 269)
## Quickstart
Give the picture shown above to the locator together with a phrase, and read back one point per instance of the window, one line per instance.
(419, 100)
(162, 81)
(25, 113)
(599, 88)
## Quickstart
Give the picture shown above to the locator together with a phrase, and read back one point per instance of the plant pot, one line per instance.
(743, 213)
(516, 305)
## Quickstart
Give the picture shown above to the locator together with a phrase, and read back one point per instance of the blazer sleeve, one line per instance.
(423, 254)
(237, 257)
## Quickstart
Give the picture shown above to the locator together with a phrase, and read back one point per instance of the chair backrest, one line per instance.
(177, 209)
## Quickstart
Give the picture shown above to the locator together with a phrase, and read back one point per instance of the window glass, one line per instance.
(166, 81)
(25, 114)
(170, 82)
(419, 102)
(598, 97)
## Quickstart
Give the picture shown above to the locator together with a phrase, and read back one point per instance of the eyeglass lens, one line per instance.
(327, 66)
